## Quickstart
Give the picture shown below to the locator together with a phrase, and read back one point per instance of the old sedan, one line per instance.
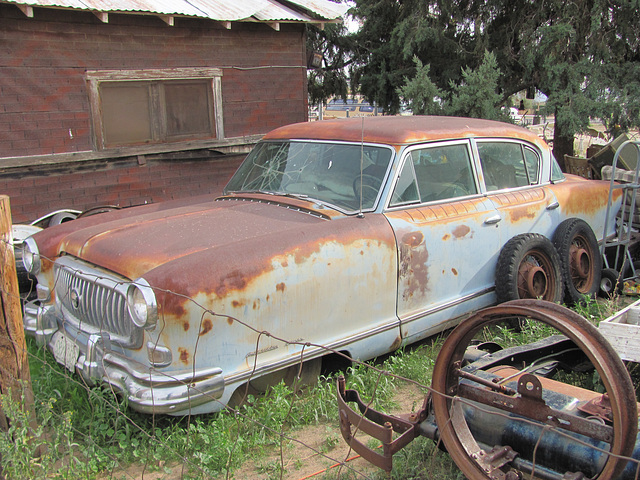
(348, 236)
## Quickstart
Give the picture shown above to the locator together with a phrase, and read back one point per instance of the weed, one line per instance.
(86, 432)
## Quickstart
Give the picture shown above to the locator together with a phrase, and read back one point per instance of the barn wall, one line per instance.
(45, 112)
(123, 183)
(44, 103)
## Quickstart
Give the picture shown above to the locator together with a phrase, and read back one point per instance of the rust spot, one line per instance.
(460, 231)
(396, 343)
(234, 281)
(413, 239)
(414, 273)
(361, 252)
(185, 326)
(285, 264)
(578, 195)
(230, 320)
(256, 304)
(207, 326)
(237, 304)
(454, 271)
(280, 287)
(518, 214)
(446, 237)
(184, 355)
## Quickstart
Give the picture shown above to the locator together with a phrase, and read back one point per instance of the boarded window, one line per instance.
(126, 114)
(188, 108)
(155, 106)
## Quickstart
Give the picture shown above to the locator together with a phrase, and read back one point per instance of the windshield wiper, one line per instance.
(281, 194)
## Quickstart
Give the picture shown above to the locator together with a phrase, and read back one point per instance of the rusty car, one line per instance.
(344, 237)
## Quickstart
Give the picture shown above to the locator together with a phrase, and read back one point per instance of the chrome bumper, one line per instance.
(148, 389)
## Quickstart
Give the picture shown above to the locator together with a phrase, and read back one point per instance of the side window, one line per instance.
(435, 173)
(406, 191)
(556, 173)
(532, 162)
(504, 165)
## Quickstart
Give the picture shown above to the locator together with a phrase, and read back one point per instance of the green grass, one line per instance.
(88, 432)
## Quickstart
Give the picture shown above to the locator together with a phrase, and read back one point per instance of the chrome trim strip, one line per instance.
(313, 352)
(155, 377)
(444, 306)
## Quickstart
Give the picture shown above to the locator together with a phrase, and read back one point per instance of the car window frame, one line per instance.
(406, 154)
(382, 192)
(524, 145)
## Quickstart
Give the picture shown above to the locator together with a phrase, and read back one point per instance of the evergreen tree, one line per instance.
(477, 96)
(421, 95)
(584, 55)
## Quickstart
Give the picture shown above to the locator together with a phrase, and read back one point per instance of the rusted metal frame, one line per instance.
(447, 387)
(624, 235)
(536, 409)
(489, 461)
(375, 424)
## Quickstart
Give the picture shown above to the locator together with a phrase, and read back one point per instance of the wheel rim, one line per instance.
(581, 265)
(454, 431)
(535, 277)
(606, 285)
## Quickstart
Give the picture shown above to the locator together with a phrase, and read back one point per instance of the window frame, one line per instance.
(95, 78)
(406, 154)
(524, 146)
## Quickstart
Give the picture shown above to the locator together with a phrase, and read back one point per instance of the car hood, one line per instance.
(178, 246)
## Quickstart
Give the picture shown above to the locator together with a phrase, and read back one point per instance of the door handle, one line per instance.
(493, 220)
(553, 206)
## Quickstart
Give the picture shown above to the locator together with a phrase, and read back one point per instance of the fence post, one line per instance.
(14, 364)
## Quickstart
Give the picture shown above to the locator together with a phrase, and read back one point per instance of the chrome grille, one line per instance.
(95, 301)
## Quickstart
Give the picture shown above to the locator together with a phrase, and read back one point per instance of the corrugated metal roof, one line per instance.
(306, 11)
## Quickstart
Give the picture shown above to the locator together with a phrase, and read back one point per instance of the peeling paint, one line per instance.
(207, 326)
(184, 355)
(461, 231)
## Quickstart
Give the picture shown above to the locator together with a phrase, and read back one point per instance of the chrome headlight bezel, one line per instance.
(142, 304)
(31, 256)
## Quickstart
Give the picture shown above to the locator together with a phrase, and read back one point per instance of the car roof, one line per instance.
(401, 130)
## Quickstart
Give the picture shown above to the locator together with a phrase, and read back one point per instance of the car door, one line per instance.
(511, 173)
(446, 238)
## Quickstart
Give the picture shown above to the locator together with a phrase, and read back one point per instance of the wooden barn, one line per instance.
(123, 102)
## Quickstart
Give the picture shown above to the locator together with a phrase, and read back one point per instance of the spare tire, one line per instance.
(580, 259)
(529, 267)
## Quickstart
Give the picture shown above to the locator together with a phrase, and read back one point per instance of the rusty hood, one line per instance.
(224, 241)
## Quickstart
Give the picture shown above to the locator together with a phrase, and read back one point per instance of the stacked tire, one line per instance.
(568, 269)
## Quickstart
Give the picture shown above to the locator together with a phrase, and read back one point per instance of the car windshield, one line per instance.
(347, 176)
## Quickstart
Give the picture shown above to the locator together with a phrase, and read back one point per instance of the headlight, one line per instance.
(31, 256)
(142, 304)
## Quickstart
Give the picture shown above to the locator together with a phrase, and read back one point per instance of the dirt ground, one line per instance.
(315, 452)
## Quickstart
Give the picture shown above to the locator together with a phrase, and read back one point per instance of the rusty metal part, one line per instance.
(377, 425)
(449, 393)
(402, 130)
(598, 407)
(533, 280)
(580, 265)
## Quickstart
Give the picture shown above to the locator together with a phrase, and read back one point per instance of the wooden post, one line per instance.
(14, 364)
